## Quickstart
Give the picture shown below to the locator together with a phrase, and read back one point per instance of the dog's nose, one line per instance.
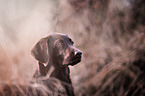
(78, 53)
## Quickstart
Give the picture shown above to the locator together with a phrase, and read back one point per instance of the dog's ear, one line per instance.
(42, 71)
(40, 51)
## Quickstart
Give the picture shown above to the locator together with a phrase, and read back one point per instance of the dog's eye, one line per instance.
(58, 44)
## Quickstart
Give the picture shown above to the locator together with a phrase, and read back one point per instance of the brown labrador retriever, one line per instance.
(56, 51)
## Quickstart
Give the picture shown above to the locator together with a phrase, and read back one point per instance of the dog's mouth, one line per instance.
(72, 61)
(75, 60)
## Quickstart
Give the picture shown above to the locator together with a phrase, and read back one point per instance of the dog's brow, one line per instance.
(59, 40)
(56, 41)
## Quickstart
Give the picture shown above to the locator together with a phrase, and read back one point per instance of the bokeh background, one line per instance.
(110, 33)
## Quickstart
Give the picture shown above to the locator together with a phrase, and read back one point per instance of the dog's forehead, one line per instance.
(59, 36)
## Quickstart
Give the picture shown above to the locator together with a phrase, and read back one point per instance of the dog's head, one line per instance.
(56, 49)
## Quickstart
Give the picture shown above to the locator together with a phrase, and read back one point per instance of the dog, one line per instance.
(56, 52)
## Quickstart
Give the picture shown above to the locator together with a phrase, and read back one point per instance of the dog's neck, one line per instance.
(63, 74)
(60, 72)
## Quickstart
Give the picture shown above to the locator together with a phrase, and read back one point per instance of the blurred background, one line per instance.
(110, 33)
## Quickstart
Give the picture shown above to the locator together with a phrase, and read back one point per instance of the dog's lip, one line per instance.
(72, 60)
(76, 60)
